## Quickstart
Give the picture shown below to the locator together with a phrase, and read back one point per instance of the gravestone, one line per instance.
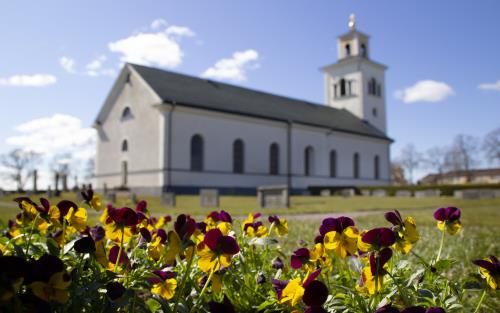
(476, 194)
(276, 196)
(379, 193)
(325, 193)
(209, 198)
(168, 199)
(133, 198)
(486, 193)
(428, 193)
(403, 193)
(50, 193)
(111, 197)
(349, 192)
(365, 192)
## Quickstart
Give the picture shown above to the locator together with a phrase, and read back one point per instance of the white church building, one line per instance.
(164, 131)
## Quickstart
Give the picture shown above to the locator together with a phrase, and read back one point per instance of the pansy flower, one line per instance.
(376, 239)
(85, 245)
(295, 289)
(29, 214)
(115, 290)
(405, 231)
(339, 235)
(185, 226)
(216, 250)
(372, 277)
(490, 270)
(48, 279)
(253, 228)
(448, 219)
(299, 257)
(226, 306)
(93, 200)
(315, 295)
(13, 270)
(164, 284)
(113, 258)
(121, 224)
(280, 226)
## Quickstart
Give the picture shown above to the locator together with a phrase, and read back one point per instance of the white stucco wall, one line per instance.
(142, 133)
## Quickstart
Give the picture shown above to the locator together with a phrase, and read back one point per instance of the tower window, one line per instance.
(197, 153)
(342, 87)
(308, 161)
(125, 145)
(374, 111)
(379, 90)
(372, 87)
(347, 50)
(126, 114)
(363, 50)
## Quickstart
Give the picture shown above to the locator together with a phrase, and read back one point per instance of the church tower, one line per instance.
(355, 82)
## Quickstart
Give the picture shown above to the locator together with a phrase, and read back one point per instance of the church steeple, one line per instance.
(355, 82)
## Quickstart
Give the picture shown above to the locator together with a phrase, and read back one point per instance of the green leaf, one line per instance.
(153, 305)
(442, 265)
(53, 247)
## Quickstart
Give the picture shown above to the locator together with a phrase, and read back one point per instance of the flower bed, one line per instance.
(52, 260)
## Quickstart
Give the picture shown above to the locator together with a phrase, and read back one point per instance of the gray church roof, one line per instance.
(207, 94)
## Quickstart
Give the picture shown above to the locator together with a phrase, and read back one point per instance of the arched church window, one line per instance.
(372, 86)
(124, 145)
(347, 50)
(197, 153)
(376, 165)
(355, 163)
(308, 161)
(363, 50)
(274, 155)
(333, 163)
(238, 156)
(342, 87)
(126, 113)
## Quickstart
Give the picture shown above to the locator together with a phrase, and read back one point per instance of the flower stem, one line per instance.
(63, 242)
(31, 233)
(183, 282)
(481, 300)
(440, 247)
(119, 252)
(270, 229)
(203, 290)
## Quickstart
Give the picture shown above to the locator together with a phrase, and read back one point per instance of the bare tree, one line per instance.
(435, 159)
(410, 160)
(20, 165)
(397, 174)
(60, 166)
(491, 146)
(462, 156)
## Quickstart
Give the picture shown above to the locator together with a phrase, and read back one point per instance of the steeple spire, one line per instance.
(352, 21)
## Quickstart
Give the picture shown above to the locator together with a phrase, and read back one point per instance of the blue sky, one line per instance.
(282, 44)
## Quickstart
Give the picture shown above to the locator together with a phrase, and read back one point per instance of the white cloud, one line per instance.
(234, 68)
(158, 23)
(95, 67)
(180, 31)
(54, 135)
(35, 80)
(490, 86)
(68, 64)
(155, 48)
(425, 91)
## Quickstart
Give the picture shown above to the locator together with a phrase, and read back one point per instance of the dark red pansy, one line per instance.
(167, 218)
(115, 290)
(45, 205)
(492, 265)
(311, 277)
(379, 237)
(141, 206)
(414, 309)
(141, 217)
(20, 200)
(64, 207)
(214, 215)
(273, 219)
(161, 276)
(435, 310)
(225, 307)
(225, 217)
(335, 224)
(387, 309)
(202, 226)
(315, 309)
(219, 243)
(229, 245)
(162, 234)
(315, 294)
(447, 214)
(85, 245)
(43, 268)
(97, 232)
(113, 256)
(87, 195)
(146, 235)
(299, 257)
(319, 239)
(124, 216)
(184, 226)
(278, 286)
(379, 259)
(212, 238)
(394, 218)
(277, 263)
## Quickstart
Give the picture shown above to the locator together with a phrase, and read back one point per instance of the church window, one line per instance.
(308, 161)
(196, 153)
(379, 90)
(376, 169)
(274, 154)
(125, 145)
(126, 113)
(333, 163)
(372, 86)
(342, 87)
(347, 50)
(363, 50)
(238, 156)
(374, 112)
(355, 163)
